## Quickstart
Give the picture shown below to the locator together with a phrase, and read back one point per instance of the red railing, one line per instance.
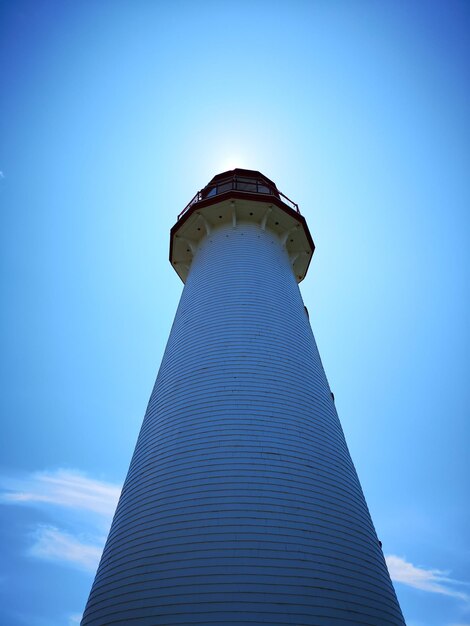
(239, 183)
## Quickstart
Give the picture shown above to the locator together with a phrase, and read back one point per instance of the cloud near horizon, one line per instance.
(431, 580)
(53, 544)
(59, 491)
(63, 488)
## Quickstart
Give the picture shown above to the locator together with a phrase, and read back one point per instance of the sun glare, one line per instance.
(231, 162)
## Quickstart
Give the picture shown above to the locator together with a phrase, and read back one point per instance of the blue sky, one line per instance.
(112, 115)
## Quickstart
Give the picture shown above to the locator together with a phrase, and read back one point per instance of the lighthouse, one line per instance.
(242, 504)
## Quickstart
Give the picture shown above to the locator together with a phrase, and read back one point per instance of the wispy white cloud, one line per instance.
(432, 580)
(76, 618)
(60, 491)
(52, 544)
(63, 488)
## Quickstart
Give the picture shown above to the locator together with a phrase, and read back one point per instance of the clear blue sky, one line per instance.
(112, 115)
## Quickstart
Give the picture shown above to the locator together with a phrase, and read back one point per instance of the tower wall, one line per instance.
(242, 505)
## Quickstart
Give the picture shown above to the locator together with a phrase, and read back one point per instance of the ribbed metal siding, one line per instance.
(242, 505)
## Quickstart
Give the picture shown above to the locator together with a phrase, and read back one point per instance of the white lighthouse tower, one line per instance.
(242, 504)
